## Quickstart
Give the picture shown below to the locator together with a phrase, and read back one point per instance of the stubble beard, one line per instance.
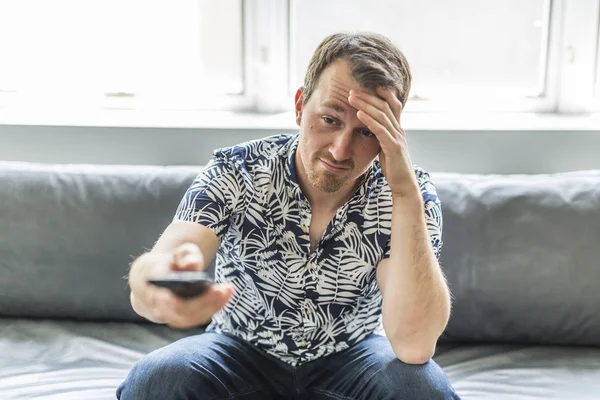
(324, 180)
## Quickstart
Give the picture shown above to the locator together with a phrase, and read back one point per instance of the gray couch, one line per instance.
(521, 253)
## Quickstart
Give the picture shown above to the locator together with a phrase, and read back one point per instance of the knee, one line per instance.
(158, 375)
(425, 381)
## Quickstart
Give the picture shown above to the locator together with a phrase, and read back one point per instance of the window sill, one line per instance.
(412, 122)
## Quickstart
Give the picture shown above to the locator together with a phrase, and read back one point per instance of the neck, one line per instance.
(328, 202)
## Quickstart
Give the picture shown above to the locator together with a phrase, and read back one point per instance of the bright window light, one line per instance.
(74, 51)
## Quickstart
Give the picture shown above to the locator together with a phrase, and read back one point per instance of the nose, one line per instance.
(341, 146)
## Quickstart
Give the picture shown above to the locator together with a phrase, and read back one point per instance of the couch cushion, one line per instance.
(519, 251)
(52, 360)
(69, 232)
(514, 372)
(522, 257)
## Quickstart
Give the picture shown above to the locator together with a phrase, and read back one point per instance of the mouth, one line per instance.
(332, 168)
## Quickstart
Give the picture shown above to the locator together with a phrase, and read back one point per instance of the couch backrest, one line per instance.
(522, 255)
(69, 232)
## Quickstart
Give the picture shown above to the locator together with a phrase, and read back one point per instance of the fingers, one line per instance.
(187, 313)
(392, 100)
(188, 257)
(382, 133)
(220, 294)
(165, 306)
(376, 120)
(385, 110)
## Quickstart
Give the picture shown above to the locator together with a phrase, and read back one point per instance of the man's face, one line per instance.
(335, 147)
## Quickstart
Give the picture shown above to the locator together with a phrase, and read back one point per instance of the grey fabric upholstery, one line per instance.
(522, 372)
(69, 233)
(519, 252)
(66, 360)
(73, 360)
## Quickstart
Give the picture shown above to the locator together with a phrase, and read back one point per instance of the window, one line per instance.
(250, 55)
(459, 51)
(134, 53)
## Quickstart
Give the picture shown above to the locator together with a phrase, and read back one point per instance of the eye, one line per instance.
(367, 133)
(328, 120)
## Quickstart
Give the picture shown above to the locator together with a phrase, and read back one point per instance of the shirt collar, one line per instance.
(291, 172)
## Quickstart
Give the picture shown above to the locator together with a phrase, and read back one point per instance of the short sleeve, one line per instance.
(433, 213)
(212, 197)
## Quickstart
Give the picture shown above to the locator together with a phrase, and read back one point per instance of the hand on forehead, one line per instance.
(340, 91)
(336, 84)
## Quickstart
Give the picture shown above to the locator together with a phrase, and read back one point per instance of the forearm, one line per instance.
(416, 299)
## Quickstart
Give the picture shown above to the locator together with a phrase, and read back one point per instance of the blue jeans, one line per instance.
(216, 366)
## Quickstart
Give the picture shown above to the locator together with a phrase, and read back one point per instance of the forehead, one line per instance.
(336, 81)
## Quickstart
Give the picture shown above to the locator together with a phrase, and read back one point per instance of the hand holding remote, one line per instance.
(171, 288)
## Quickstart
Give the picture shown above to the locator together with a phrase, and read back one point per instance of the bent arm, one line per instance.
(416, 299)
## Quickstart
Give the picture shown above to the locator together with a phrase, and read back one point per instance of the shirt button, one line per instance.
(309, 266)
(290, 194)
(305, 228)
(309, 311)
(303, 343)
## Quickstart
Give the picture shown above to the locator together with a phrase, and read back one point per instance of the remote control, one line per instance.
(185, 284)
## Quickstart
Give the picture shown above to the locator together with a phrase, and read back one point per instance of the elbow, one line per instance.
(415, 346)
(414, 354)
(415, 357)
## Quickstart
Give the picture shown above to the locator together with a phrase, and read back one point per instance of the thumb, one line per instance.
(188, 257)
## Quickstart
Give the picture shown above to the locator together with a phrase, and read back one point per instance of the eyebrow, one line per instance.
(334, 106)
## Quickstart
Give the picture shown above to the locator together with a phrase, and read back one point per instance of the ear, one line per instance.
(298, 103)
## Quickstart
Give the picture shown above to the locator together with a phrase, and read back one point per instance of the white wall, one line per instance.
(452, 151)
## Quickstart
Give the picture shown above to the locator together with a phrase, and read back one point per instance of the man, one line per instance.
(317, 242)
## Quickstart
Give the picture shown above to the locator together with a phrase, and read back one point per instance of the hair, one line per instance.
(374, 61)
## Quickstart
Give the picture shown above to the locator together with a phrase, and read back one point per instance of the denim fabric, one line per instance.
(215, 366)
